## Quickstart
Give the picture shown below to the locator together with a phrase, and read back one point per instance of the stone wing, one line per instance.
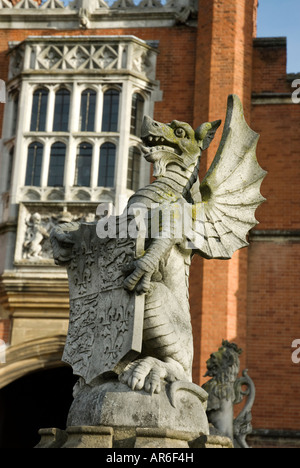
(230, 191)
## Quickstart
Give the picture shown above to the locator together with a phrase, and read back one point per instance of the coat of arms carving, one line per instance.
(106, 321)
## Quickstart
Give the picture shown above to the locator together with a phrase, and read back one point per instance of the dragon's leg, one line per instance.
(167, 333)
(167, 344)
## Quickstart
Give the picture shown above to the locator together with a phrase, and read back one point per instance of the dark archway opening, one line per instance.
(38, 400)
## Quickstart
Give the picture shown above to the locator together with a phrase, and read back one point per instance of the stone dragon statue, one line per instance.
(222, 213)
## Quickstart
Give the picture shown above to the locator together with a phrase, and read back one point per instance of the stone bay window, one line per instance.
(71, 136)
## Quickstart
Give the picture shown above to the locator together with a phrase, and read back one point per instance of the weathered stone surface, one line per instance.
(89, 437)
(52, 438)
(212, 441)
(122, 438)
(106, 321)
(225, 389)
(161, 438)
(115, 404)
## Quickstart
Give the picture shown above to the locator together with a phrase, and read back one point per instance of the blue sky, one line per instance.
(281, 18)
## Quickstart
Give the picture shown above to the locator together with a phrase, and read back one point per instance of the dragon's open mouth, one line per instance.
(156, 145)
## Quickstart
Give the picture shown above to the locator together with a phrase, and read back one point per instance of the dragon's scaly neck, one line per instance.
(178, 180)
(175, 183)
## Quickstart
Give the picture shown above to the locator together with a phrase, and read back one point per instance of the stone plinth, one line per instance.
(109, 438)
(110, 415)
(180, 405)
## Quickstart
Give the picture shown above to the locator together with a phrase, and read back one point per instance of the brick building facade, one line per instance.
(184, 59)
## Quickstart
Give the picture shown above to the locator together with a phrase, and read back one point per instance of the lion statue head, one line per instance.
(223, 366)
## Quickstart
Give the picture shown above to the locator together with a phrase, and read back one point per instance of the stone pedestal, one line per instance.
(111, 415)
(179, 406)
(141, 438)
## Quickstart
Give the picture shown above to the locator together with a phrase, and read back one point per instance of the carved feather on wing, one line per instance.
(230, 191)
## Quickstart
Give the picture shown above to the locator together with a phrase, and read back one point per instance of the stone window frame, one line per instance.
(39, 115)
(129, 79)
(135, 111)
(107, 143)
(132, 170)
(62, 106)
(97, 138)
(85, 110)
(31, 166)
(54, 171)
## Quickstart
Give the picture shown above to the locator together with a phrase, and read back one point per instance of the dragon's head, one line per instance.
(176, 143)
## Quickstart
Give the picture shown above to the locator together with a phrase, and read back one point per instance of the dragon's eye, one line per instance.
(180, 132)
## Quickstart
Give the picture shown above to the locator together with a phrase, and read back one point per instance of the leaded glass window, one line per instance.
(110, 115)
(87, 111)
(84, 165)
(61, 111)
(134, 164)
(39, 110)
(137, 114)
(34, 164)
(106, 176)
(57, 165)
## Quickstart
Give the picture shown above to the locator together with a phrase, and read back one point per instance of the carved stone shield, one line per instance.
(106, 321)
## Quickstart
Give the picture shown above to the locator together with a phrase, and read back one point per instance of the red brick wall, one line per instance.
(279, 154)
(269, 66)
(273, 274)
(223, 67)
(273, 324)
(14, 2)
(279, 145)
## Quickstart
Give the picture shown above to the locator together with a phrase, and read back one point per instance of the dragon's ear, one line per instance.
(206, 132)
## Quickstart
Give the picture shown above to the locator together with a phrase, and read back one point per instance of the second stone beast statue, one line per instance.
(151, 276)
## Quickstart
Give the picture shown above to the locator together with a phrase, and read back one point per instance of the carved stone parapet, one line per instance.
(84, 55)
(98, 13)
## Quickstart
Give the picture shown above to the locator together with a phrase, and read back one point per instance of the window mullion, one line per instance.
(98, 113)
(70, 165)
(122, 162)
(50, 109)
(45, 165)
(19, 175)
(74, 109)
(95, 165)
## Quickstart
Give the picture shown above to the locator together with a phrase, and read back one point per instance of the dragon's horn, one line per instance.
(206, 132)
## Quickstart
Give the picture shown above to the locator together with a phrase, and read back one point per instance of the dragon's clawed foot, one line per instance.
(144, 374)
(140, 280)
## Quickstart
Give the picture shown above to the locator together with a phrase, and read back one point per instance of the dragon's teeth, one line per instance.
(145, 149)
